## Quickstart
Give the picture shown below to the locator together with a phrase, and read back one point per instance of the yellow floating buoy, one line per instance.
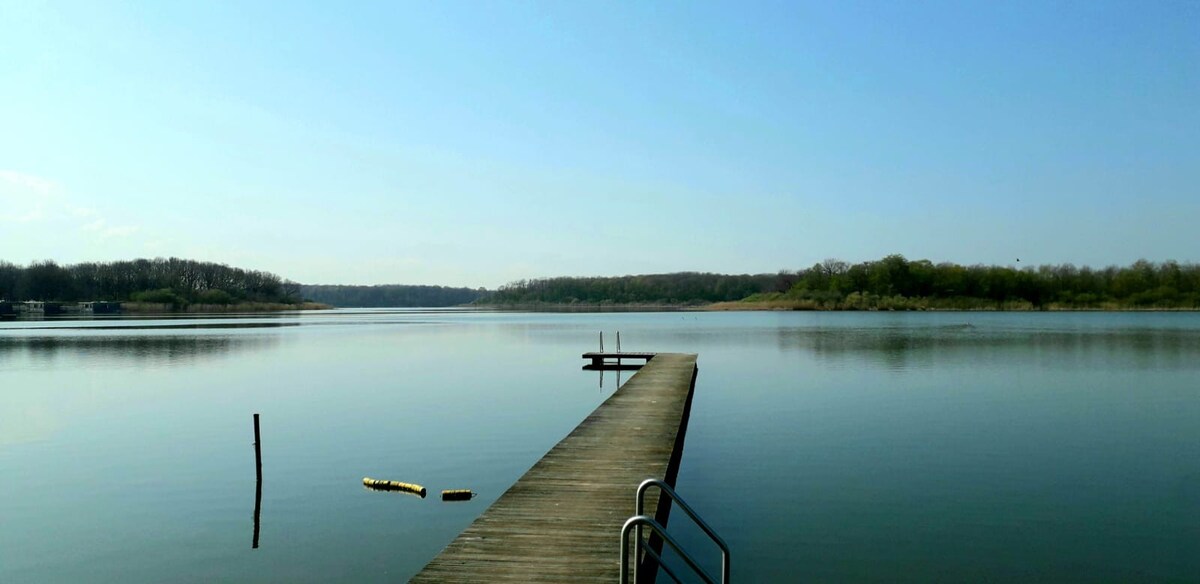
(458, 495)
(382, 485)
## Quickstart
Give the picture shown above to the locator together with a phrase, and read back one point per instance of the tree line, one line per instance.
(391, 295)
(896, 282)
(677, 288)
(892, 282)
(167, 281)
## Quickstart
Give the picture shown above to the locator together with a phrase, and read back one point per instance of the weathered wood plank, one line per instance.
(561, 521)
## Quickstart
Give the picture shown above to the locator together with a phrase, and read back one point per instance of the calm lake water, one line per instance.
(823, 446)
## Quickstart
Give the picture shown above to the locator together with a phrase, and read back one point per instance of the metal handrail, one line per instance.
(637, 521)
(639, 511)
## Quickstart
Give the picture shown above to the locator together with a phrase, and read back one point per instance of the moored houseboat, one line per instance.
(30, 307)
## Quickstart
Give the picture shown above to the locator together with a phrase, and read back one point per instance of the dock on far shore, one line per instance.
(562, 520)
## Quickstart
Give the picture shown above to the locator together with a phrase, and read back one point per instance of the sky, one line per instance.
(478, 143)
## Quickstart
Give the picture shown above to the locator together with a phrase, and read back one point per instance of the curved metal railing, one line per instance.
(640, 519)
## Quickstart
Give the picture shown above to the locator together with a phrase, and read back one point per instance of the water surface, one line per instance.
(823, 446)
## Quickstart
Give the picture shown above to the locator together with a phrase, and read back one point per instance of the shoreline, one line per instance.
(581, 307)
(804, 306)
(158, 308)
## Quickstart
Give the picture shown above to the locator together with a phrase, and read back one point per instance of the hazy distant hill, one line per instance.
(390, 295)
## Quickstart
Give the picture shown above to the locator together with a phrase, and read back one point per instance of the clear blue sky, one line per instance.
(481, 142)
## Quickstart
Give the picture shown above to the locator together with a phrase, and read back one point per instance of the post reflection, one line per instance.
(257, 510)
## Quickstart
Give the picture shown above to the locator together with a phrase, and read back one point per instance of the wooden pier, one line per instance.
(615, 359)
(562, 520)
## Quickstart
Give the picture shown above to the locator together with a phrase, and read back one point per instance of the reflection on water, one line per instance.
(257, 511)
(137, 350)
(258, 480)
(129, 326)
(904, 348)
(896, 348)
(618, 370)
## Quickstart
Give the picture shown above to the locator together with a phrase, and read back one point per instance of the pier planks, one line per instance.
(562, 520)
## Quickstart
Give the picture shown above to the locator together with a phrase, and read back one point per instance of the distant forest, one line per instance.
(394, 295)
(897, 283)
(165, 281)
(680, 288)
(891, 283)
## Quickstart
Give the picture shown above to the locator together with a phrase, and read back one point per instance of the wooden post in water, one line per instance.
(257, 450)
(258, 481)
